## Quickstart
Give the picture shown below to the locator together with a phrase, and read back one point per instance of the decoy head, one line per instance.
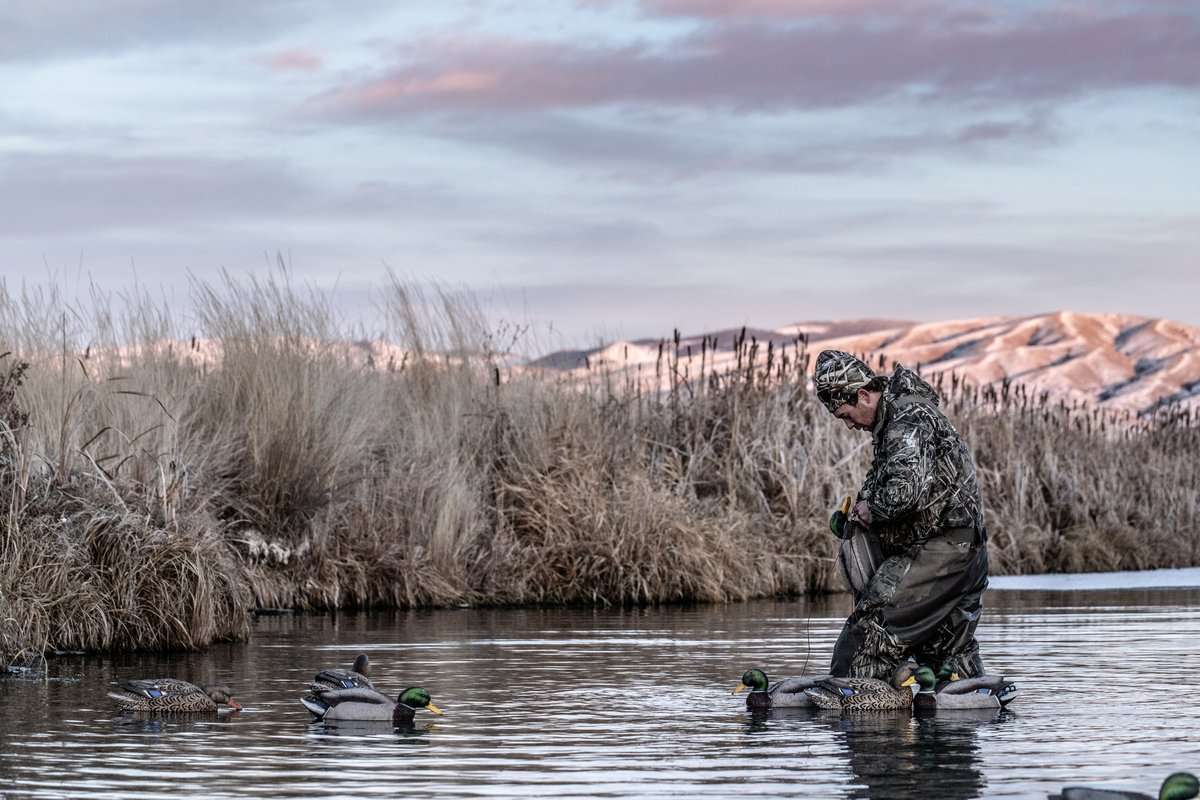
(415, 697)
(753, 679)
(946, 673)
(905, 674)
(926, 678)
(222, 697)
(1179, 786)
(361, 664)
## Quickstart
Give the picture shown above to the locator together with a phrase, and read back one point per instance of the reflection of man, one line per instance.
(895, 755)
(921, 499)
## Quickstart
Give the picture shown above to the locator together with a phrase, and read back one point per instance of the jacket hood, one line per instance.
(905, 381)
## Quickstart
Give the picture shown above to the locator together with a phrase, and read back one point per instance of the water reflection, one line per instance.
(893, 754)
(355, 729)
(546, 702)
(159, 721)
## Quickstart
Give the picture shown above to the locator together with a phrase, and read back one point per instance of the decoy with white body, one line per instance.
(787, 693)
(367, 705)
(982, 692)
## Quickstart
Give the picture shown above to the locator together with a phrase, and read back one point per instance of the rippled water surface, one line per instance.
(625, 703)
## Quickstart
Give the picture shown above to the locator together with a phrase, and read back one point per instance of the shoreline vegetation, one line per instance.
(154, 499)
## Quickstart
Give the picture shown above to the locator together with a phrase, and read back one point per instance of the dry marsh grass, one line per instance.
(152, 498)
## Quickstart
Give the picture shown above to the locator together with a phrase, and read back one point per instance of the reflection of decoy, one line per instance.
(866, 694)
(171, 694)
(985, 691)
(353, 678)
(1177, 786)
(892, 754)
(788, 693)
(367, 705)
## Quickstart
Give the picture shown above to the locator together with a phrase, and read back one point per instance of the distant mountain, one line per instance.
(724, 338)
(1118, 361)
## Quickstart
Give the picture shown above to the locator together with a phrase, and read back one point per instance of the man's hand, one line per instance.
(862, 513)
(839, 521)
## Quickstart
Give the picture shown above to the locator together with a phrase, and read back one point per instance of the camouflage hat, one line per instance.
(838, 376)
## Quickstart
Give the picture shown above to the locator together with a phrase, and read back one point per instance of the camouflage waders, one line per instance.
(924, 603)
(925, 598)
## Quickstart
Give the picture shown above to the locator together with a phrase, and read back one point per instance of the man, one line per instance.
(921, 499)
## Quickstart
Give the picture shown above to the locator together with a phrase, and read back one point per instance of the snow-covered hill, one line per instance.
(1118, 361)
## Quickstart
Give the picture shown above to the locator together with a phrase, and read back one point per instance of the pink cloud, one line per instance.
(775, 8)
(294, 61)
(774, 68)
(798, 10)
(396, 89)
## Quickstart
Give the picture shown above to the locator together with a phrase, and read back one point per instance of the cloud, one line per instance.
(740, 92)
(81, 193)
(776, 9)
(735, 8)
(766, 68)
(47, 193)
(676, 147)
(570, 237)
(294, 61)
(41, 29)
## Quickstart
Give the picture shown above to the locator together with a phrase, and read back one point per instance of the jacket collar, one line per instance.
(881, 413)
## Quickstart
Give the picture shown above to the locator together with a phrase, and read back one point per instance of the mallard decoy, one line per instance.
(172, 694)
(984, 691)
(788, 693)
(353, 678)
(866, 694)
(367, 705)
(1177, 786)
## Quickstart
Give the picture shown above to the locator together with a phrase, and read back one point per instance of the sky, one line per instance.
(614, 168)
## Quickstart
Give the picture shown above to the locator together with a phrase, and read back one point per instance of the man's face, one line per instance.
(860, 417)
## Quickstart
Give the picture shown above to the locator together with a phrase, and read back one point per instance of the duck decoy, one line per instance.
(353, 678)
(787, 693)
(172, 694)
(984, 691)
(866, 694)
(367, 705)
(1177, 786)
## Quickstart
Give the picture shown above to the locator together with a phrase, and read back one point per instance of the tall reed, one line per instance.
(163, 479)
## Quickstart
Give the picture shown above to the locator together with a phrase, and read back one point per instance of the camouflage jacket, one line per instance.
(922, 479)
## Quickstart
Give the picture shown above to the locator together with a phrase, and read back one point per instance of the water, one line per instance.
(625, 703)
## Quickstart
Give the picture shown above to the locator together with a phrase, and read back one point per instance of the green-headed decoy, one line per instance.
(982, 692)
(1177, 786)
(367, 705)
(788, 693)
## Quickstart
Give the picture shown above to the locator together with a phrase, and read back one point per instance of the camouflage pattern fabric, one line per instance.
(925, 599)
(838, 376)
(924, 604)
(922, 478)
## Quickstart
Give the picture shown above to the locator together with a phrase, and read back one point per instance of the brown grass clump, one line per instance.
(82, 567)
(155, 496)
